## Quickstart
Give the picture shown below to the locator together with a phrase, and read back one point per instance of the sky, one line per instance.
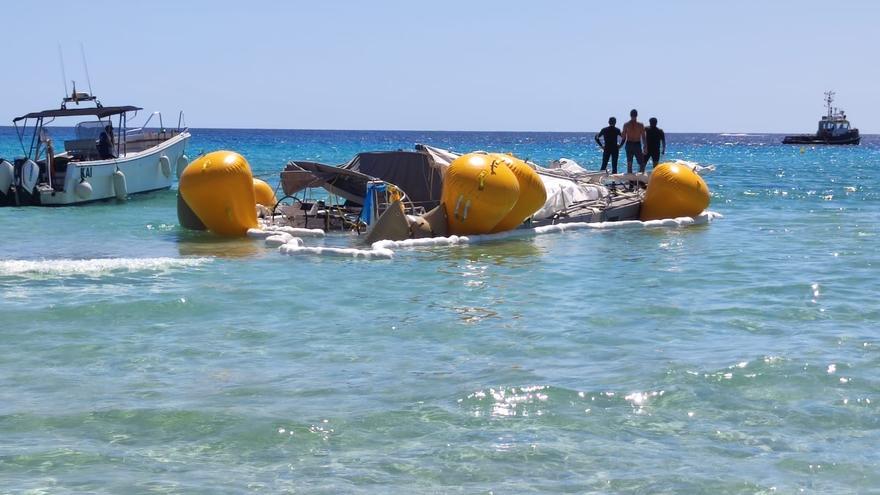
(698, 66)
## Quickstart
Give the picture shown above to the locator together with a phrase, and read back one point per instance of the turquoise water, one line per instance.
(735, 357)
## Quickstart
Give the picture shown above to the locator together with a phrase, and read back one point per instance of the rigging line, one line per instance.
(63, 73)
(82, 51)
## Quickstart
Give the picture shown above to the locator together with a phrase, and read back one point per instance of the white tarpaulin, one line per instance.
(562, 192)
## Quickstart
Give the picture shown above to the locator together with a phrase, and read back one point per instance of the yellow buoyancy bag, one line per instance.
(674, 190)
(478, 191)
(532, 193)
(219, 189)
(264, 194)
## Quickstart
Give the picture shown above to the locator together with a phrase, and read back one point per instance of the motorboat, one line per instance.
(834, 128)
(97, 163)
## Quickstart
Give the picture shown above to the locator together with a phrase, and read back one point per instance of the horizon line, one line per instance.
(751, 133)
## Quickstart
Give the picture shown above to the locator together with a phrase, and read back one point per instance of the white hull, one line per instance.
(149, 170)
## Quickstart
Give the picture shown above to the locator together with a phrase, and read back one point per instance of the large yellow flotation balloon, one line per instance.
(532, 193)
(478, 191)
(674, 191)
(187, 217)
(264, 194)
(219, 189)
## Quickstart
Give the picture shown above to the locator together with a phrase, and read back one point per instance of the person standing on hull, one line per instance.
(654, 139)
(610, 148)
(634, 135)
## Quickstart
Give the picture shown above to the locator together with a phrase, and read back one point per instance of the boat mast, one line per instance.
(829, 98)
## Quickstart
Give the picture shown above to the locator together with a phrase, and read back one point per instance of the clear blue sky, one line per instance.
(699, 66)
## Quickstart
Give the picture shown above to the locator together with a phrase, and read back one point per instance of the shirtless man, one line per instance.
(634, 134)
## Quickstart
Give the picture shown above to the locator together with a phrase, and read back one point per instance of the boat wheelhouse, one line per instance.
(98, 163)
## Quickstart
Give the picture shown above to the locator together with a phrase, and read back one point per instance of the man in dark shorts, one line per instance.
(654, 138)
(634, 134)
(610, 148)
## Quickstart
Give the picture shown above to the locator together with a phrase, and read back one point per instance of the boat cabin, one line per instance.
(835, 125)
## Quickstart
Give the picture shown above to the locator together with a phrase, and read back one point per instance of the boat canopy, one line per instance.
(100, 112)
(411, 171)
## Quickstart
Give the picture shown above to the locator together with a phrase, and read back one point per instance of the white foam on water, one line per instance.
(702, 218)
(93, 267)
(294, 249)
(385, 249)
(281, 239)
(696, 167)
(292, 231)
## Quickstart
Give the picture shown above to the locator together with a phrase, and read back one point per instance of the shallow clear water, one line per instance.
(735, 357)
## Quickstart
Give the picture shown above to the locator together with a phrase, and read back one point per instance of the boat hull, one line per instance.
(813, 139)
(620, 206)
(82, 182)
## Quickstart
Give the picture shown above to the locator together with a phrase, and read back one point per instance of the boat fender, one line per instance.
(7, 175)
(182, 162)
(119, 185)
(165, 165)
(83, 190)
(30, 175)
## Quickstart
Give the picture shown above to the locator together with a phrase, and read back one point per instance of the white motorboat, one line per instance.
(96, 164)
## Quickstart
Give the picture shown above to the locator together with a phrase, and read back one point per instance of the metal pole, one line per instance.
(37, 127)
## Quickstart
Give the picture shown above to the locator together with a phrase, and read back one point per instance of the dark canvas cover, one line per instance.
(411, 171)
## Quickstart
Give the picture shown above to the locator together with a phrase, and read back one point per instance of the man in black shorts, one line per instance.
(654, 138)
(610, 148)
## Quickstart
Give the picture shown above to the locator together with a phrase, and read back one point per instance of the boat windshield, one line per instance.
(90, 130)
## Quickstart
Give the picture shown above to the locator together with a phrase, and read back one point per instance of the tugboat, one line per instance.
(833, 128)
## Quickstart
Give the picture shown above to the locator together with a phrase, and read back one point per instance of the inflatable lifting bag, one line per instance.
(219, 189)
(532, 194)
(263, 194)
(479, 190)
(674, 191)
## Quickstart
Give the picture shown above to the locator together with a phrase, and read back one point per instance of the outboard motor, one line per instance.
(27, 176)
(7, 177)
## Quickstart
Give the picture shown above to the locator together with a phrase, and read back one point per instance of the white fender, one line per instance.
(119, 185)
(7, 175)
(83, 190)
(165, 165)
(182, 162)
(30, 175)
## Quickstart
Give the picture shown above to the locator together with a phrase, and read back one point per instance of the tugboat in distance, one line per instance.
(833, 128)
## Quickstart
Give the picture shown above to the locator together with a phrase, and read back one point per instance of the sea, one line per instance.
(736, 356)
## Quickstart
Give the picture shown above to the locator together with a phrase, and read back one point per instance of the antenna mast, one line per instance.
(63, 73)
(829, 98)
(82, 51)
